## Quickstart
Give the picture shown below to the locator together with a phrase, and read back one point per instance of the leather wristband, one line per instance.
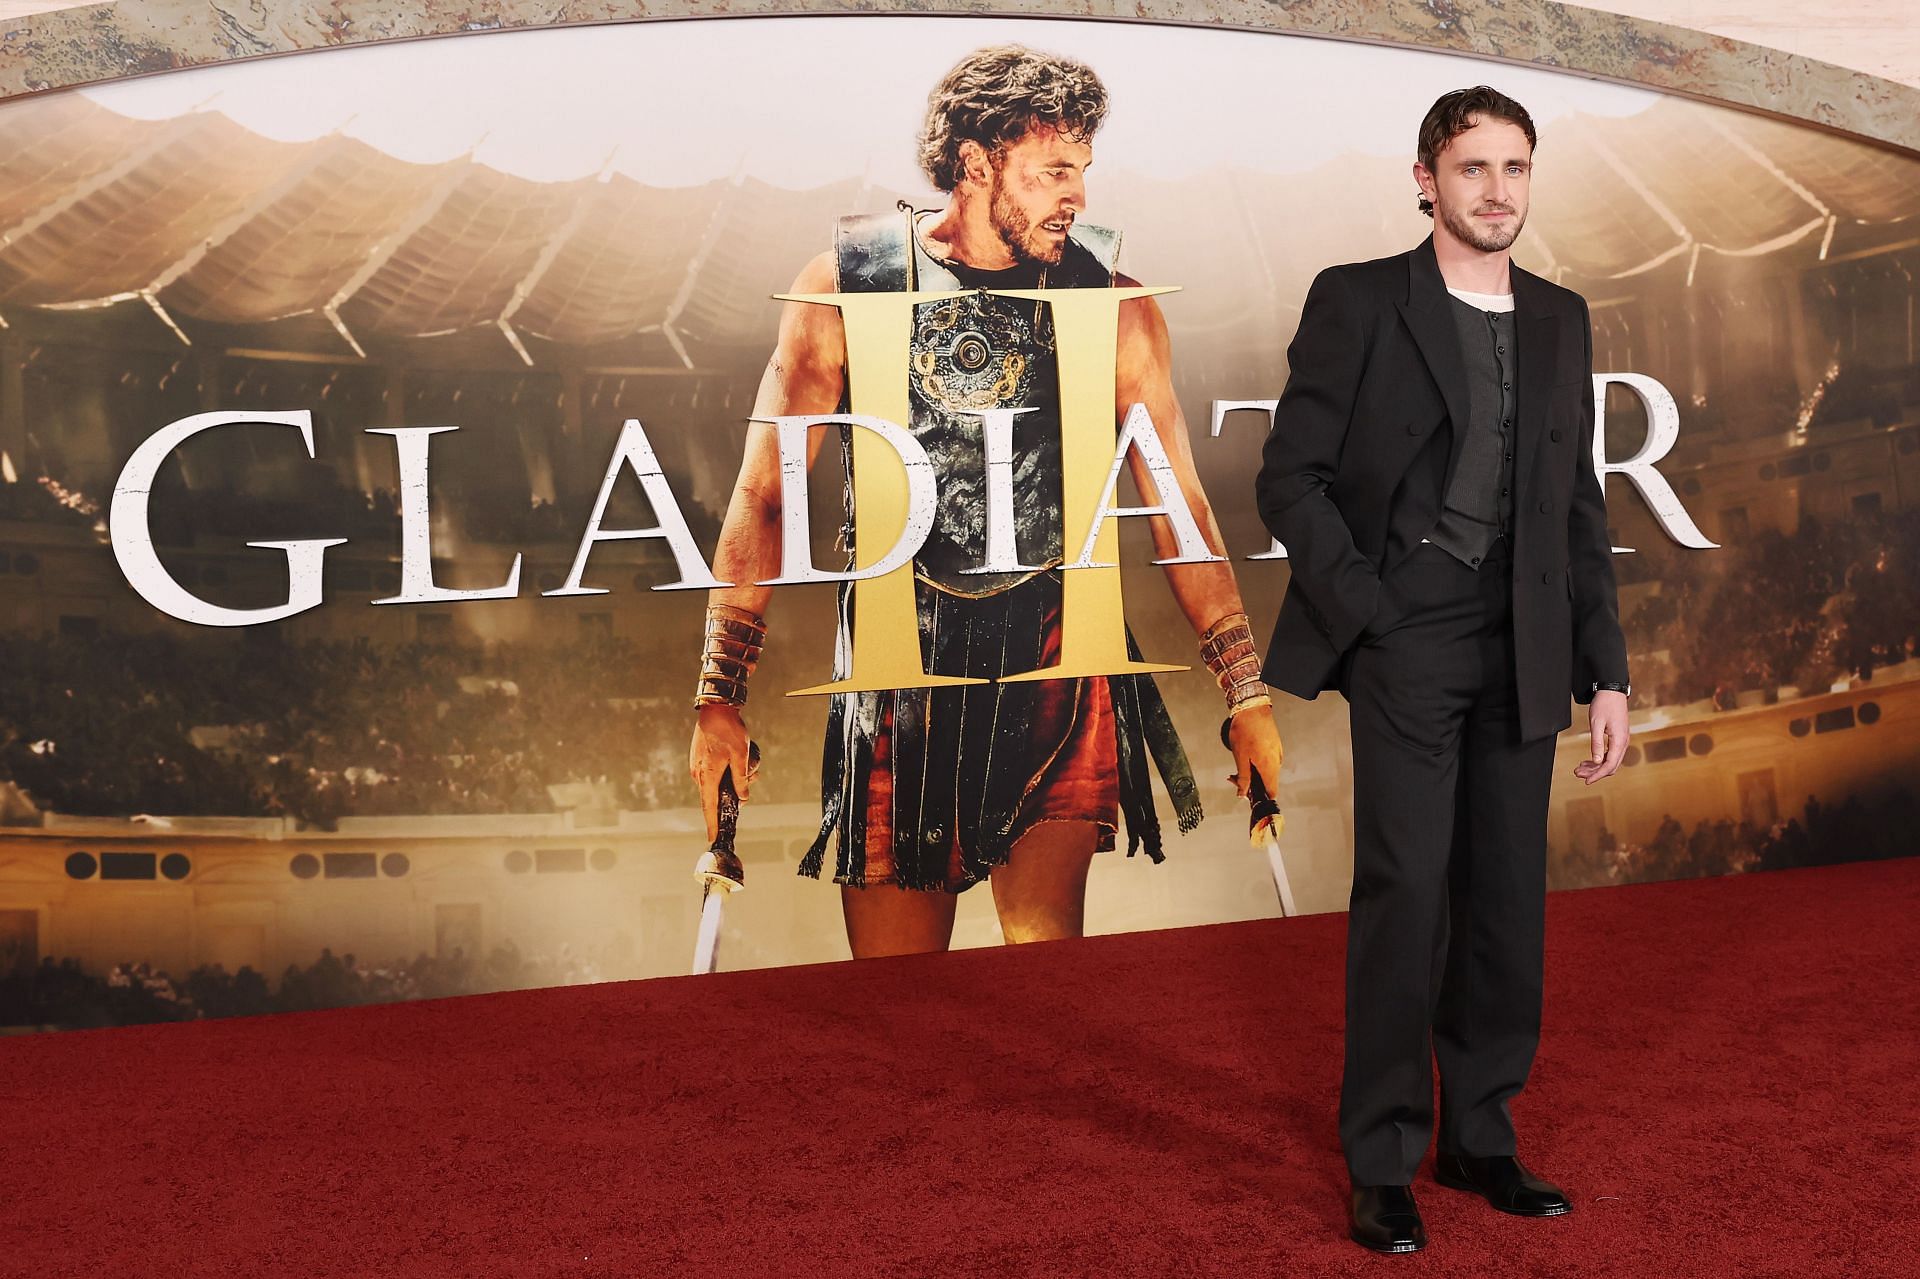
(734, 640)
(1228, 651)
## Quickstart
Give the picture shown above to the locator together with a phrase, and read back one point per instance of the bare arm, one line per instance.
(805, 375)
(1205, 592)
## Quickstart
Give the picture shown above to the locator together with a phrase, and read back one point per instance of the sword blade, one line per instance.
(1278, 866)
(706, 945)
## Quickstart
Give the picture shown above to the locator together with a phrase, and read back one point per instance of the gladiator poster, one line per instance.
(396, 443)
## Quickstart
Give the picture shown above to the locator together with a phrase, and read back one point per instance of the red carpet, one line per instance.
(1729, 1086)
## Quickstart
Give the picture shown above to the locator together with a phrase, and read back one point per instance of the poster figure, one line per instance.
(926, 792)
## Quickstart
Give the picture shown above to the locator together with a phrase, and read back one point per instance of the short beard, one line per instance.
(1014, 228)
(1487, 239)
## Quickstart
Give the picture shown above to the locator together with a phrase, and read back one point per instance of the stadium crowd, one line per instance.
(1827, 601)
(114, 724)
(106, 725)
(1857, 829)
(60, 993)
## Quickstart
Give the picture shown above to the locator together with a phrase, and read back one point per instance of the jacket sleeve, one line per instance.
(1599, 646)
(1325, 363)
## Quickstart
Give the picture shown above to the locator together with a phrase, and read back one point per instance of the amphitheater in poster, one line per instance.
(572, 231)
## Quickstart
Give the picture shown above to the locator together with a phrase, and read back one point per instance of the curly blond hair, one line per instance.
(994, 96)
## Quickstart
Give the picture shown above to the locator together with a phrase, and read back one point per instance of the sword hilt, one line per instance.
(720, 867)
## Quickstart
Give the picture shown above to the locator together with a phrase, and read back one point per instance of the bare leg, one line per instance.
(1041, 893)
(885, 919)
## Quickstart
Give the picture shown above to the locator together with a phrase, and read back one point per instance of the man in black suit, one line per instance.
(1430, 472)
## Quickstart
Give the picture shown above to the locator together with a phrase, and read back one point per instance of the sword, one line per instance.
(719, 870)
(1264, 826)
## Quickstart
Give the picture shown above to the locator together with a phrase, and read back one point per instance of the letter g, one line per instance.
(133, 540)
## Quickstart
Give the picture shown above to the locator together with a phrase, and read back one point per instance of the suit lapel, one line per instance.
(1536, 335)
(1434, 330)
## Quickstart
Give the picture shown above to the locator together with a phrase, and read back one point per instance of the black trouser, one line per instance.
(1449, 879)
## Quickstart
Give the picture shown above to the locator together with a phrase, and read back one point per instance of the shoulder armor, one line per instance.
(1101, 242)
(870, 252)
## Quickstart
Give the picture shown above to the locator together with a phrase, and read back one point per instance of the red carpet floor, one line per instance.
(1729, 1086)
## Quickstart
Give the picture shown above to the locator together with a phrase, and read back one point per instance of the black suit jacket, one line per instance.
(1364, 441)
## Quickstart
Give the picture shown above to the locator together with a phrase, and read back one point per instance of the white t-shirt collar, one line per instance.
(1485, 301)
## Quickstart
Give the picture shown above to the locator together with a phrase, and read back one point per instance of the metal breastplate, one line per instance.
(968, 354)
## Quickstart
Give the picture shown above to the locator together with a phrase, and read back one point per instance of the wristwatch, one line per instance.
(1612, 686)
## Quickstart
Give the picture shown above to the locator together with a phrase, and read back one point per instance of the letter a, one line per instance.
(1139, 432)
(634, 449)
(1093, 623)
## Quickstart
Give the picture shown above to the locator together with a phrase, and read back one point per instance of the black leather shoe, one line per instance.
(1502, 1181)
(1386, 1219)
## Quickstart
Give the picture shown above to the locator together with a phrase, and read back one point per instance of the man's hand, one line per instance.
(719, 743)
(1256, 746)
(1607, 721)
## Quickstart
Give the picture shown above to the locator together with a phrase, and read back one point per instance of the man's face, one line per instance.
(1479, 185)
(1036, 190)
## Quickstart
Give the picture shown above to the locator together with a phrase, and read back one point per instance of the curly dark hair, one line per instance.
(994, 96)
(1459, 111)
